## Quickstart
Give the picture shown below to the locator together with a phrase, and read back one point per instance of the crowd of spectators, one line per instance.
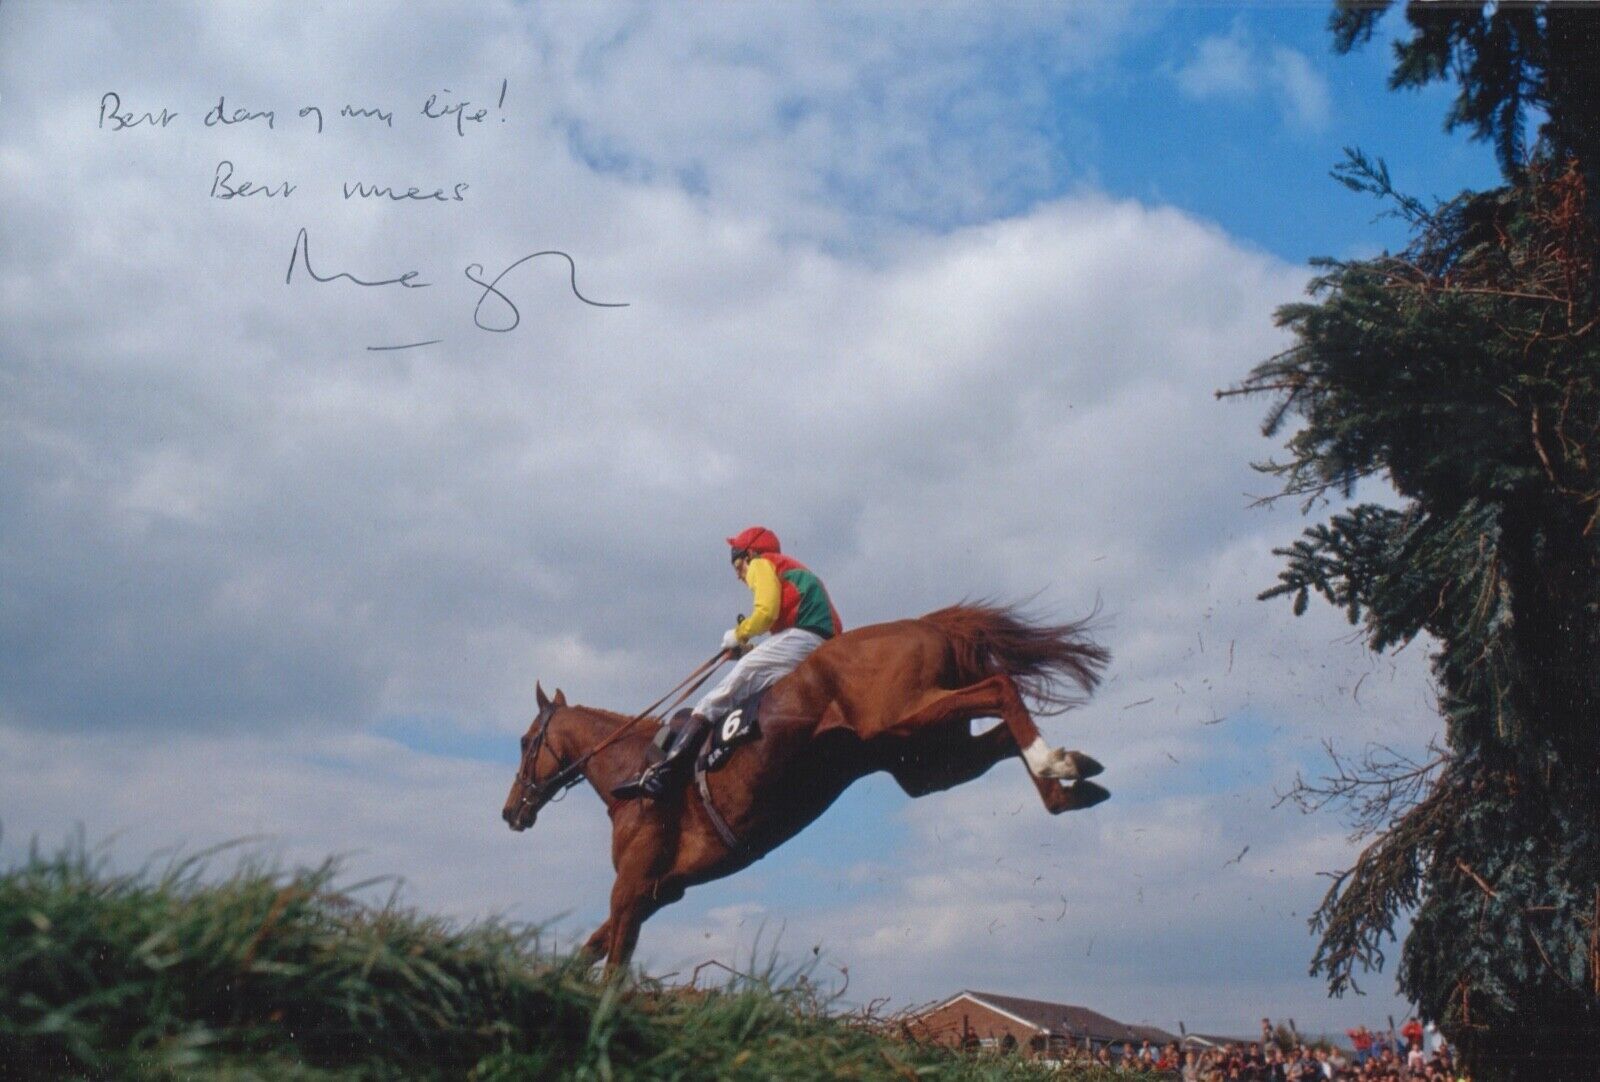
(1409, 1055)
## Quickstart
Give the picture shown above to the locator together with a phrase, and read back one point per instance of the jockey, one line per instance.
(789, 601)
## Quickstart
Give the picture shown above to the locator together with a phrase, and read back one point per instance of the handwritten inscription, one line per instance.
(220, 114)
(494, 309)
(359, 190)
(223, 185)
(114, 115)
(491, 289)
(439, 105)
(111, 111)
(434, 109)
(300, 257)
(375, 114)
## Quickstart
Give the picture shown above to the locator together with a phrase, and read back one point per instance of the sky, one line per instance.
(940, 293)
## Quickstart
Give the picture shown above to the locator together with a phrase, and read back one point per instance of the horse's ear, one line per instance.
(538, 694)
(561, 698)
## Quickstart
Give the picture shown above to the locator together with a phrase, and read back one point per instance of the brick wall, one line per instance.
(965, 1020)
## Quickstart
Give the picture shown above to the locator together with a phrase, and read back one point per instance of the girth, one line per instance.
(725, 832)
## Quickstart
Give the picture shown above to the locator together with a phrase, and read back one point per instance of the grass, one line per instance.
(179, 973)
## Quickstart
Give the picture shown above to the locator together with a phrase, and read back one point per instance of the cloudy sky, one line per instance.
(940, 293)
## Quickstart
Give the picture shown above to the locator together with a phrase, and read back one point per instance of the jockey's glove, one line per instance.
(731, 643)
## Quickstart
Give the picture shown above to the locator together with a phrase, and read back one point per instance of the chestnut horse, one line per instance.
(898, 697)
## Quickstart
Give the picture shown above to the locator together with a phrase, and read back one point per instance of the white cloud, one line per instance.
(1222, 67)
(1236, 68)
(1303, 89)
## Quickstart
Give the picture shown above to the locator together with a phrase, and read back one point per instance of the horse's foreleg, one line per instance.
(627, 914)
(623, 938)
(597, 945)
(622, 930)
(642, 858)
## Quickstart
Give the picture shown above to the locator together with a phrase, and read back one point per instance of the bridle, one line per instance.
(535, 793)
(538, 794)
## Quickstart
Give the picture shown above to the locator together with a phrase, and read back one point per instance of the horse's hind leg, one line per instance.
(998, 696)
(1060, 798)
(935, 765)
(1049, 766)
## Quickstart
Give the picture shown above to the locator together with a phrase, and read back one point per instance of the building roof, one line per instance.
(1154, 1034)
(1214, 1040)
(1064, 1019)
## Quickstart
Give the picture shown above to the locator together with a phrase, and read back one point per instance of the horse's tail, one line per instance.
(1055, 665)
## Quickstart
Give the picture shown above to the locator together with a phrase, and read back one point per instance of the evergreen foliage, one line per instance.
(1466, 371)
(1509, 60)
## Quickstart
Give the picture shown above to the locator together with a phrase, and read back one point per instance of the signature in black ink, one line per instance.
(492, 288)
(301, 256)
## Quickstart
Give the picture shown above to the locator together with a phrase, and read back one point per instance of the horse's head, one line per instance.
(543, 772)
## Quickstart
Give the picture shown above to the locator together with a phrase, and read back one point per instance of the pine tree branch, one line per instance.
(1372, 791)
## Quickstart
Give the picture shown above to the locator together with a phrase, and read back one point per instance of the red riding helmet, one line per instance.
(755, 540)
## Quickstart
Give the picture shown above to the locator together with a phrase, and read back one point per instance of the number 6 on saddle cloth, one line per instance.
(741, 726)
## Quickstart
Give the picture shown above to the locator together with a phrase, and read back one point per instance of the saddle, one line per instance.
(741, 726)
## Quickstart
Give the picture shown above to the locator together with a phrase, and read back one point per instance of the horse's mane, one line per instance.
(612, 720)
(1055, 665)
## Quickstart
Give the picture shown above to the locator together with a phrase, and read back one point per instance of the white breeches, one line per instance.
(762, 667)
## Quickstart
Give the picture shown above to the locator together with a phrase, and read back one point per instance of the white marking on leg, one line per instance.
(1045, 761)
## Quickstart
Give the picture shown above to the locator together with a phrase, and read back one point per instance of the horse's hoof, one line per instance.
(1085, 766)
(1086, 794)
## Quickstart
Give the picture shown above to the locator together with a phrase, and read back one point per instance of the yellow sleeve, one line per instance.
(762, 578)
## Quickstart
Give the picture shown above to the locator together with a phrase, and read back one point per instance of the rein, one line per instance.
(572, 773)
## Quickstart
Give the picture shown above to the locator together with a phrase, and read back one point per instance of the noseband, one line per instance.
(537, 794)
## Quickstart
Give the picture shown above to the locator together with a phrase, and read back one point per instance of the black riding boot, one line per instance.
(663, 779)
